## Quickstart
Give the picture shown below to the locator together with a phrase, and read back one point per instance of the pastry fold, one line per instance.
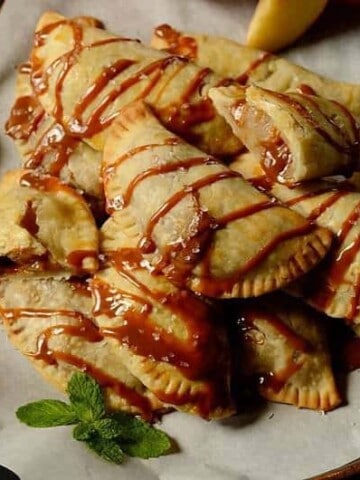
(49, 321)
(204, 226)
(247, 65)
(44, 219)
(83, 76)
(334, 286)
(169, 338)
(43, 144)
(296, 136)
(284, 346)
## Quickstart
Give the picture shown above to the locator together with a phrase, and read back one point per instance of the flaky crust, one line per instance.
(33, 306)
(231, 59)
(167, 82)
(285, 345)
(138, 147)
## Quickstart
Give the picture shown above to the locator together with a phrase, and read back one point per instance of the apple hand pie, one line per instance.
(334, 286)
(247, 65)
(49, 321)
(83, 76)
(45, 147)
(45, 220)
(167, 337)
(297, 136)
(284, 346)
(205, 226)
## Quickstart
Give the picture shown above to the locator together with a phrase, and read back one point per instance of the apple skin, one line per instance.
(278, 23)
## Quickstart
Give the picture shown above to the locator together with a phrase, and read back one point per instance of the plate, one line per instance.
(276, 442)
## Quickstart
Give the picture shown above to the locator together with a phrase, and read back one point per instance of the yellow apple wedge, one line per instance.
(277, 23)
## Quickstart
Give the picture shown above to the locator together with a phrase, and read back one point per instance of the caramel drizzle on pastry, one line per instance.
(244, 78)
(213, 288)
(252, 335)
(339, 262)
(179, 117)
(85, 329)
(179, 259)
(276, 155)
(177, 43)
(49, 184)
(27, 117)
(198, 356)
(349, 147)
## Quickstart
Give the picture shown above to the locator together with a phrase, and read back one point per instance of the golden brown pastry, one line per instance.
(49, 321)
(284, 346)
(248, 65)
(83, 76)
(168, 338)
(45, 147)
(334, 287)
(205, 227)
(297, 136)
(44, 219)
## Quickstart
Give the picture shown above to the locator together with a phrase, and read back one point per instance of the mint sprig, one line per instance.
(110, 435)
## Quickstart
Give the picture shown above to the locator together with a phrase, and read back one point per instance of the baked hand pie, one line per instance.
(83, 76)
(205, 227)
(49, 321)
(296, 136)
(167, 337)
(247, 66)
(334, 286)
(45, 220)
(284, 346)
(45, 147)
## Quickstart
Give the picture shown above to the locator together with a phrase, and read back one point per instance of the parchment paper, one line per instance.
(279, 442)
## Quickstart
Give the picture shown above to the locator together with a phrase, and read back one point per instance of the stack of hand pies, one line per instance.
(157, 186)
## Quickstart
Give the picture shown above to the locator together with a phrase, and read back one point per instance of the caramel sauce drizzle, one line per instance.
(146, 243)
(144, 337)
(85, 329)
(49, 184)
(29, 220)
(177, 43)
(311, 194)
(245, 76)
(305, 89)
(326, 204)
(174, 262)
(162, 169)
(198, 356)
(26, 118)
(306, 114)
(340, 263)
(130, 395)
(342, 258)
(109, 170)
(178, 116)
(56, 142)
(77, 257)
(213, 288)
(273, 380)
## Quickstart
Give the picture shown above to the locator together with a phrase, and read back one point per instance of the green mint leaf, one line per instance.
(108, 428)
(107, 449)
(140, 439)
(151, 443)
(46, 413)
(86, 397)
(84, 431)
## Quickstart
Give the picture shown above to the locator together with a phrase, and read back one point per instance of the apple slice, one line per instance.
(277, 23)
